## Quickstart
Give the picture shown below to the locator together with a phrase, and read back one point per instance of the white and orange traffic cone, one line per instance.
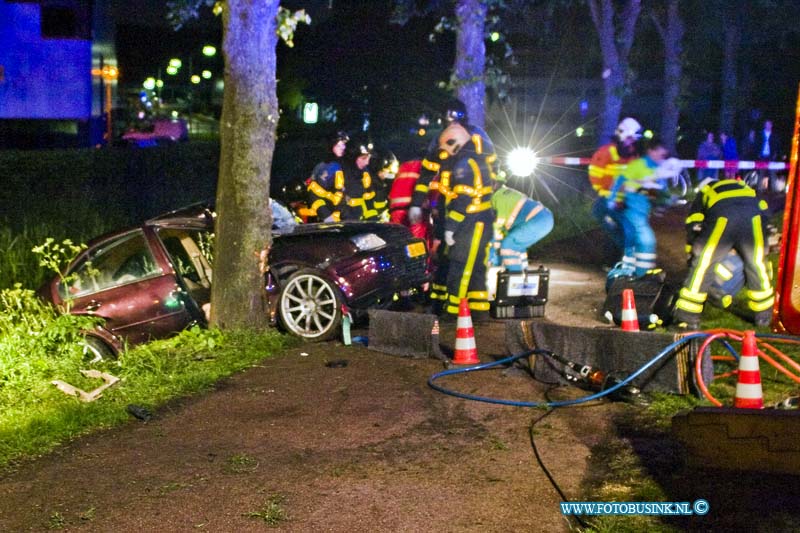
(466, 353)
(748, 388)
(630, 320)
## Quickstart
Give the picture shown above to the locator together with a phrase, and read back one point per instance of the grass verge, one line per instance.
(35, 417)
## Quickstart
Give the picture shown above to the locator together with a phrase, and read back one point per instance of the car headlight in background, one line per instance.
(522, 161)
(367, 241)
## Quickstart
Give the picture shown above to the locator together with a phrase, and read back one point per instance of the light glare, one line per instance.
(522, 161)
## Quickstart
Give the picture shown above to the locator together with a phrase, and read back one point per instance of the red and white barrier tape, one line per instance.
(685, 163)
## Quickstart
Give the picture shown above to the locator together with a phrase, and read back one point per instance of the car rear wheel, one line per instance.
(309, 306)
(95, 350)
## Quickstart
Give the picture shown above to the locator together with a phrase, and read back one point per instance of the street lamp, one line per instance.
(209, 50)
(109, 74)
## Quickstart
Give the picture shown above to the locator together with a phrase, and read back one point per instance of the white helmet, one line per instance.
(629, 128)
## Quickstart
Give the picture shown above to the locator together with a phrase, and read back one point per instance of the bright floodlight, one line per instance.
(522, 161)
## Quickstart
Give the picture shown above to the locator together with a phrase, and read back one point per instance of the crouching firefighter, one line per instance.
(464, 182)
(520, 223)
(725, 215)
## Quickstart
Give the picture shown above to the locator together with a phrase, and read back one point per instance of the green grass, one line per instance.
(35, 417)
(272, 512)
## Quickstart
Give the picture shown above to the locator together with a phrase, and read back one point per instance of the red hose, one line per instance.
(716, 334)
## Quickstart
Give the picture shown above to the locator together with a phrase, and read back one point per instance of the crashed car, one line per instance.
(152, 281)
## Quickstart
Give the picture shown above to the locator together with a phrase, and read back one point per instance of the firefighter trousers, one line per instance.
(466, 276)
(744, 233)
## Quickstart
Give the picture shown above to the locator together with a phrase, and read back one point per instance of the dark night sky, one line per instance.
(569, 49)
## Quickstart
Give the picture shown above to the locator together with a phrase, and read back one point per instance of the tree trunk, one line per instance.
(615, 47)
(673, 72)
(730, 82)
(249, 119)
(470, 62)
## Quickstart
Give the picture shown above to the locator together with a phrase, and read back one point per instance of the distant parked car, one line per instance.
(152, 281)
(162, 130)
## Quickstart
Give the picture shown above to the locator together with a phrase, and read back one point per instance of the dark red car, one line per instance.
(152, 281)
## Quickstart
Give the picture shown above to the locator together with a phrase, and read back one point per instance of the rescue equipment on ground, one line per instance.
(521, 294)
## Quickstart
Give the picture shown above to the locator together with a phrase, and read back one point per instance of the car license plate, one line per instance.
(523, 285)
(415, 249)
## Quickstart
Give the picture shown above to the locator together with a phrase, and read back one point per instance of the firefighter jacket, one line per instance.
(326, 190)
(431, 164)
(381, 199)
(465, 185)
(728, 198)
(606, 164)
(359, 193)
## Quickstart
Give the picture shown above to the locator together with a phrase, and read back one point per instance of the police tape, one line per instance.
(685, 163)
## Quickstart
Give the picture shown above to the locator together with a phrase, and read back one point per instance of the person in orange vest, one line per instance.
(607, 163)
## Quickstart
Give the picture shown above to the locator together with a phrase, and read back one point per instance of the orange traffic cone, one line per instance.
(466, 353)
(630, 320)
(748, 389)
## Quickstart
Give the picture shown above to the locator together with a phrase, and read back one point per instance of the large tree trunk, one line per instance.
(468, 70)
(730, 82)
(249, 118)
(672, 35)
(615, 47)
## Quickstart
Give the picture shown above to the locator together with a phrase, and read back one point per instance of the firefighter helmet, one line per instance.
(628, 128)
(387, 165)
(453, 138)
(455, 111)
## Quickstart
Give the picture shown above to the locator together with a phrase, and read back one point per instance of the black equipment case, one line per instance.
(521, 294)
(652, 296)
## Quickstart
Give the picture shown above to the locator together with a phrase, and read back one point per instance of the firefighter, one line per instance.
(465, 185)
(326, 184)
(640, 186)
(455, 111)
(520, 222)
(359, 191)
(607, 163)
(725, 215)
(385, 172)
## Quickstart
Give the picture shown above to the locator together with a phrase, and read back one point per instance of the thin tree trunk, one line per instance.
(672, 35)
(615, 48)
(470, 62)
(730, 59)
(249, 119)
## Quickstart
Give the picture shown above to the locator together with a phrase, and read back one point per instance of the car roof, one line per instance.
(199, 214)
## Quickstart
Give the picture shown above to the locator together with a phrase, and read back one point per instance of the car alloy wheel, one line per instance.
(309, 306)
(95, 350)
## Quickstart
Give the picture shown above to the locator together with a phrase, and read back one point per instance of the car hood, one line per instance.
(349, 229)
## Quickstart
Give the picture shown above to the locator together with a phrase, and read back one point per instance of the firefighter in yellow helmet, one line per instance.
(466, 188)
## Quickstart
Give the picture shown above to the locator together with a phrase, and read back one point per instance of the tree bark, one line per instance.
(672, 35)
(249, 119)
(730, 60)
(470, 62)
(615, 47)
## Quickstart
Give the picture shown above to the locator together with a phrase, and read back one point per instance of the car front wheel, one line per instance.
(309, 306)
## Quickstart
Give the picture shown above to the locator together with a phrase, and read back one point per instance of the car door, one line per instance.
(121, 281)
